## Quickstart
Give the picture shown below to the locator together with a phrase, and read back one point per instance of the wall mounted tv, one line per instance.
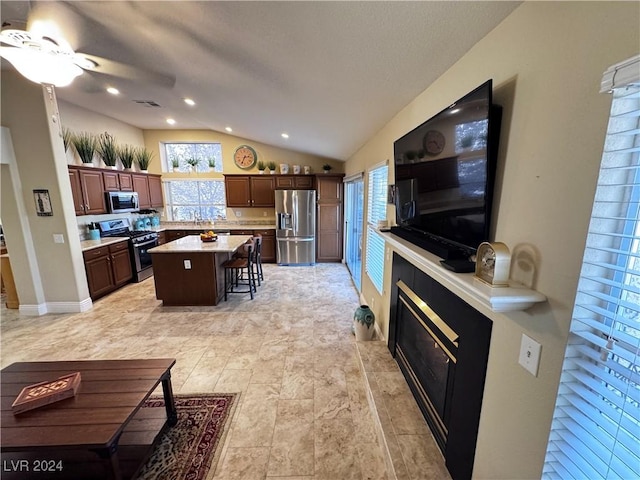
(444, 175)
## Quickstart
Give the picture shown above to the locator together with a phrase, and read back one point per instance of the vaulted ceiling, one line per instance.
(329, 74)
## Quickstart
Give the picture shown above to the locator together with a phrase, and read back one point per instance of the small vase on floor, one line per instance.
(364, 321)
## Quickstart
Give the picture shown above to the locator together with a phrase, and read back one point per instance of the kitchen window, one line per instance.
(187, 200)
(184, 154)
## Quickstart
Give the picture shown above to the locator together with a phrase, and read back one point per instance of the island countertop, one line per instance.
(193, 244)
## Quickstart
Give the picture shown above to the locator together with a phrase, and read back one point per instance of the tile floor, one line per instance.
(314, 403)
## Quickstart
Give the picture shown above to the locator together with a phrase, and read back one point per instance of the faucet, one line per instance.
(196, 218)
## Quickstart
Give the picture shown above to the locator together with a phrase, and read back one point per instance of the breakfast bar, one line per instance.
(189, 271)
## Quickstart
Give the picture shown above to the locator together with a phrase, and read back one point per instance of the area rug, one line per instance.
(192, 447)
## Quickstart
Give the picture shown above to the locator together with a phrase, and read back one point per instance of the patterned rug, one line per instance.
(192, 447)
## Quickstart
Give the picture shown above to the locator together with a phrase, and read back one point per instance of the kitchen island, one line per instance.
(189, 271)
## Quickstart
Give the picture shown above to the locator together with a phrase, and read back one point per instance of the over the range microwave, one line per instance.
(122, 202)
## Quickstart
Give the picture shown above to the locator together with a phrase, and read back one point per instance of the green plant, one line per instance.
(271, 166)
(261, 165)
(193, 161)
(108, 149)
(143, 158)
(326, 167)
(212, 162)
(67, 138)
(85, 144)
(126, 154)
(175, 163)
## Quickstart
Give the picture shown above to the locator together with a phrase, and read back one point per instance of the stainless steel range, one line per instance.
(140, 242)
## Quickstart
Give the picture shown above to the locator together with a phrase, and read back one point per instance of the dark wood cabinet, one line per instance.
(249, 190)
(89, 184)
(117, 181)
(107, 268)
(87, 188)
(155, 190)
(141, 186)
(162, 238)
(268, 252)
(329, 217)
(294, 182)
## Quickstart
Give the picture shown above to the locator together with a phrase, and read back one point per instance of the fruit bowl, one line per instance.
(209, 239)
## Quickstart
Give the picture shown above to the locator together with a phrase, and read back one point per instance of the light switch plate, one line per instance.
(187, 264)
(58, 238)
(530, 354)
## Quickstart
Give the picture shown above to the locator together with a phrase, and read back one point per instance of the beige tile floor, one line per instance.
(314, 403)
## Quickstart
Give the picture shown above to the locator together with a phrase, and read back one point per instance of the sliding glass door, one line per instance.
(354, 207)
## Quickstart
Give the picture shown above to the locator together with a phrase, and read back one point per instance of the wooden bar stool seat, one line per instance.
(235, 269)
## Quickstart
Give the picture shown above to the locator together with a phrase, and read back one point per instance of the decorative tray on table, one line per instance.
(44, 393)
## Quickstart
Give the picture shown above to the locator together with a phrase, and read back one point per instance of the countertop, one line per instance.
(101, 242)
(193, 244)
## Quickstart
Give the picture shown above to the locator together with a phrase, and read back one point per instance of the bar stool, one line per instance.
(235, 268)
(258, 258)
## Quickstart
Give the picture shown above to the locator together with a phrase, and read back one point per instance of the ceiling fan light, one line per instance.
(41, 67)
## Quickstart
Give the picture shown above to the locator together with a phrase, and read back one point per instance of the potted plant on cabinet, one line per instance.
(85, 145)
(261, 167)
(272, 167)
(326, 167)
(107, 150)
(143, 158)
(126, 154)
(67, 138)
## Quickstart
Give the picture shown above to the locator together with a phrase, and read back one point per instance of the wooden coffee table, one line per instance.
(104, 415)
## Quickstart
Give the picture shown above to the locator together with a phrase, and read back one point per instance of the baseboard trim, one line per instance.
(56, 307)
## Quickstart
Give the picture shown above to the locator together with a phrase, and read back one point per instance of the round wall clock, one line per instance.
(493, 262)
(433, 142)
(245, 157)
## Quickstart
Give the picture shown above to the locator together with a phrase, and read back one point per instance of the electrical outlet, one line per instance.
(530, 354)
(238, 213)
(58, 238)
(187, 264)
(264, 214)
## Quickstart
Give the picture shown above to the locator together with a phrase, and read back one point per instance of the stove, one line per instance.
(141, 241)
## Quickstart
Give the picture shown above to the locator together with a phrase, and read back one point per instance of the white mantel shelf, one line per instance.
(515, 297)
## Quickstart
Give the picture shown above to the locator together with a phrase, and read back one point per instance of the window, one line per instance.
(377, 210)
(190, 199)
(596, 425)
(181, 154)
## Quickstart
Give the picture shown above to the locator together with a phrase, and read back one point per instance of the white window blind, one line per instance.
(377, 210)
(595, 432)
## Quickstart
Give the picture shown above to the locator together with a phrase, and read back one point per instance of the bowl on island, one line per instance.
(208, 236)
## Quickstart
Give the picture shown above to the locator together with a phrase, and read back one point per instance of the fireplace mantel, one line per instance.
(507, 299)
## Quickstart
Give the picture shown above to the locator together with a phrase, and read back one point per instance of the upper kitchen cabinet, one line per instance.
(294, 182)
(117, 181)
(249, 190)
(149, 188)
(87, 187)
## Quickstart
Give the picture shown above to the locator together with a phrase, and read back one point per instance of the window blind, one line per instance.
(377, 210)
(595, 432)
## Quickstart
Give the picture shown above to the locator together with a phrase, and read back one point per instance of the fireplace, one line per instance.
(441, 345)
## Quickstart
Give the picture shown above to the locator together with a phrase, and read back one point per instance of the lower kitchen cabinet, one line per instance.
(268, 252)
(108, 268)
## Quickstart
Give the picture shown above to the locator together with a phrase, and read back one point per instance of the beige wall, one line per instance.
(29, 113)
(546, 60)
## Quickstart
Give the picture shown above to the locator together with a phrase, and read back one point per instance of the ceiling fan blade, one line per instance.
(118, 69)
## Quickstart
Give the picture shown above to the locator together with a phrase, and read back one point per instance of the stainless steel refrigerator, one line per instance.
(296, 227)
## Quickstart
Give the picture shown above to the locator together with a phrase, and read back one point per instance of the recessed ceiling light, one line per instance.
(228, 129)
(285, 135)
(171, 121)
(189, 102)
(113, 91)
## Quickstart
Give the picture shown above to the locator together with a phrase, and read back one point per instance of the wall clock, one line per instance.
(493, 262)
(433, 142)
(245, 157)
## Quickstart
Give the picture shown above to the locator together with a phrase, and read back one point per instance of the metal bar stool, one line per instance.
(258, 258)
(235, 268)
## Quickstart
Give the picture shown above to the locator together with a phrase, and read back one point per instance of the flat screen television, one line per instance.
(444, 176)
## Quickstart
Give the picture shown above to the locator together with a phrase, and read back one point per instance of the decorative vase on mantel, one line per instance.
(364, 321)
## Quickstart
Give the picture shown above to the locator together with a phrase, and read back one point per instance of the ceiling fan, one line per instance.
(42, 55)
